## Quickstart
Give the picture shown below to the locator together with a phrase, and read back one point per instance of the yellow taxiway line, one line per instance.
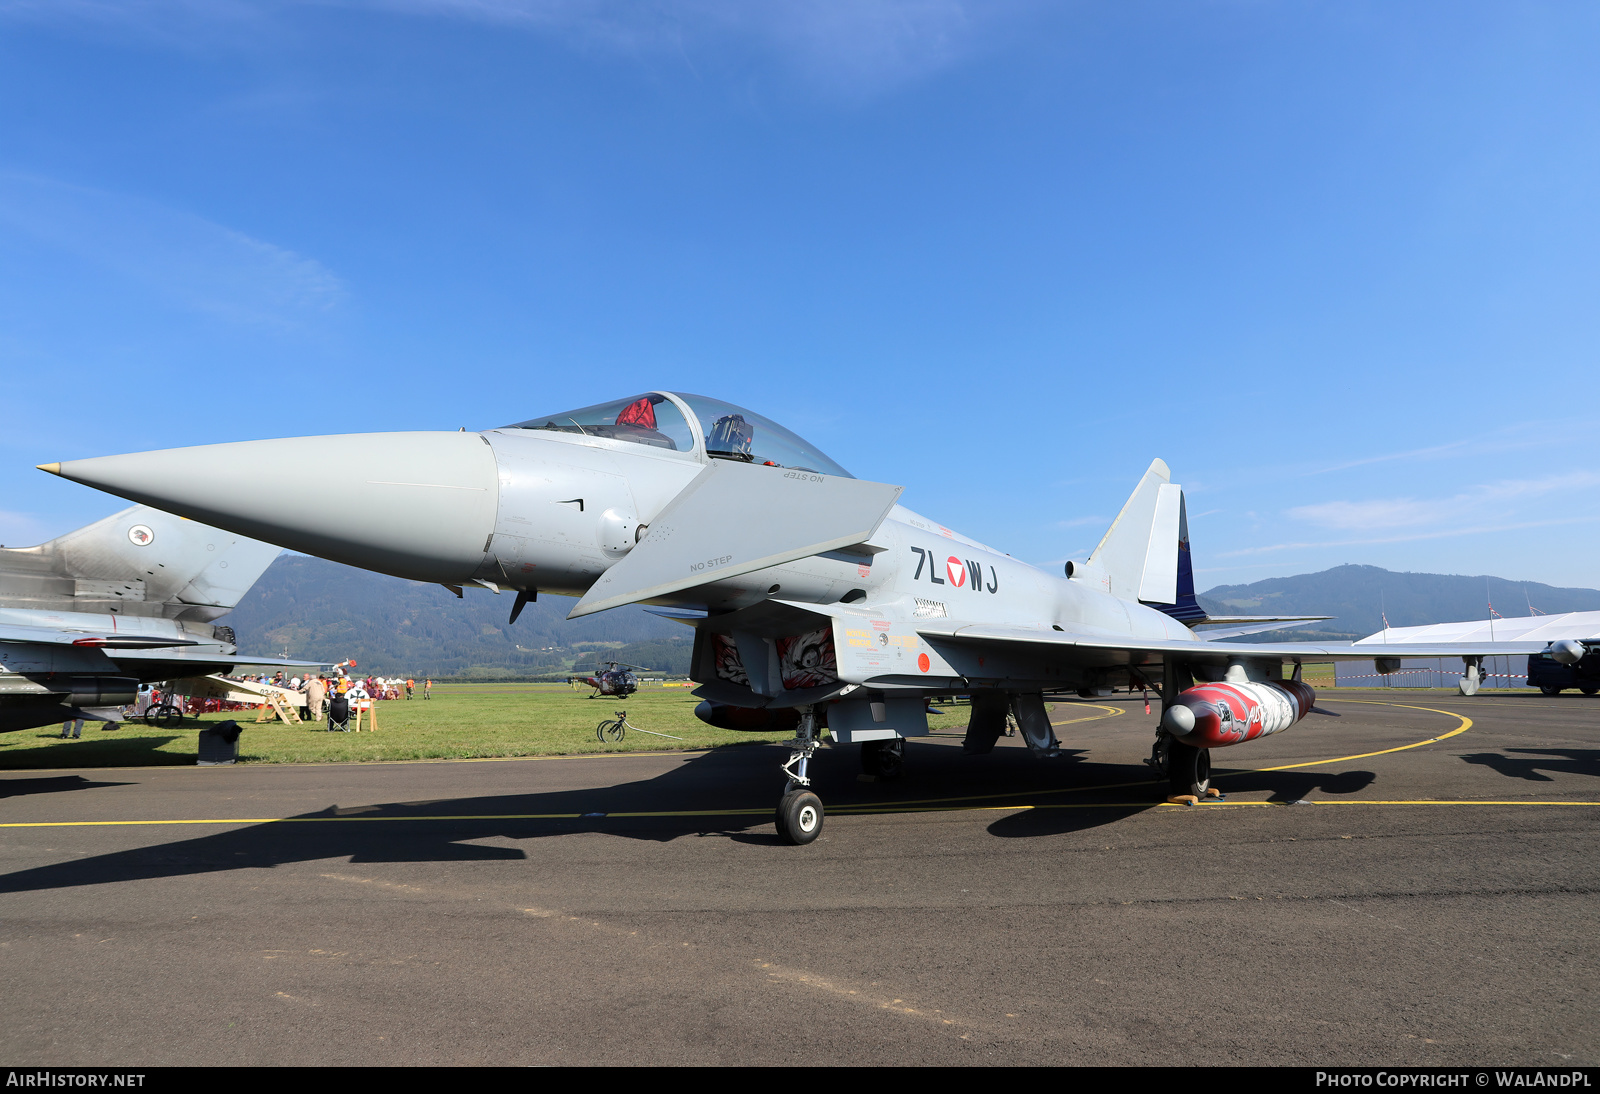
(1466, 724)
(924, 805)
(845, 810)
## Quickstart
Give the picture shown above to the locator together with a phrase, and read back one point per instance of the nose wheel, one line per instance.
(799, 816)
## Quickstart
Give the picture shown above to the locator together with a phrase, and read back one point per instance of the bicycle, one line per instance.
(614, 730)
(163, 715)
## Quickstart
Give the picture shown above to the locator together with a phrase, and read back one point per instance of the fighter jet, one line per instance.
(88, 617)
(810, 591)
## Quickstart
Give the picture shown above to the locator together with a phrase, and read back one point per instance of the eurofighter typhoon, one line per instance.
(88, 617)
(815, 597)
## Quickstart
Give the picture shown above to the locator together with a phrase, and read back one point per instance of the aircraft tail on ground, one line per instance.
(1184, 607)
(140, 561)
(1145, 553)
(1145, 556)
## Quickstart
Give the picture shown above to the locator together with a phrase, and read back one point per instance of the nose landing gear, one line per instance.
(800, 813)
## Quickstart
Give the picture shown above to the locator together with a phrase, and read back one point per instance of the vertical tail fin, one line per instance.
(1145, 552)
(1184, 607)
(143, 561)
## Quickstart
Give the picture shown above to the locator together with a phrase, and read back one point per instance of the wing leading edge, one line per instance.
(734, 519)
(1100, 649)
(66, 636)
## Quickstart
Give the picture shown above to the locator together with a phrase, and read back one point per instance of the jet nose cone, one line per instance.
(416, 505)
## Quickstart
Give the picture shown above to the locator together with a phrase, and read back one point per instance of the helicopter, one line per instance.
(615, 679)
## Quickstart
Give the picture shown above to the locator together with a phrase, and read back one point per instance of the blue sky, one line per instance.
(1335, 262)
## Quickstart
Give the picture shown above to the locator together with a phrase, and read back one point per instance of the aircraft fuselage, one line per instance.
(570, 508)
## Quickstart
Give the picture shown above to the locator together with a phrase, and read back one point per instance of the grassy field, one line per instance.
(460, 721)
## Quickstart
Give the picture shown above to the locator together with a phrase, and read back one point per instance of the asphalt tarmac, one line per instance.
(1434, 903)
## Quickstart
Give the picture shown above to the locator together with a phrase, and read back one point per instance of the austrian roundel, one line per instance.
(957, 570)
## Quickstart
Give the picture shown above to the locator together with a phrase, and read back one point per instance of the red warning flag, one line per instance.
(639, 412)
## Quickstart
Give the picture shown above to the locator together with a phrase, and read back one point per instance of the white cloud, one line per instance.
(1412, 454)
(1390, 513)
(181, 24)
(1517, 437)
(1502, 506)
(194, 261)
(1444, 533)
(852, 46)
(1408, 512)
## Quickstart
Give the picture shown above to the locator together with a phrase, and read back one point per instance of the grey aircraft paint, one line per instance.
(89, 616)
(807, 588)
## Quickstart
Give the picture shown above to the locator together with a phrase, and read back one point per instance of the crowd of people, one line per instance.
(316, 692)
(373, 687)
(320, 689)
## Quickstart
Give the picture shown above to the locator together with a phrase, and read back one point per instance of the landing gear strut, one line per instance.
(1187, 768)
(1158, 752)
(799, 810)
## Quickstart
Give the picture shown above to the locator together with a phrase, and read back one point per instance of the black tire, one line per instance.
(611, 732)
(1188, 769)
(884, 760)
(1589, 689)
(799, 817)
(1549, 689)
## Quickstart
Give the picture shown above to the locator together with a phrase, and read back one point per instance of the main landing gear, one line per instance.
(883, 760)
(799, 810)
(1188, 769)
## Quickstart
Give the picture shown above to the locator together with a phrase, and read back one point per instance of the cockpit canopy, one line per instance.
(651, 419)
(657, 419)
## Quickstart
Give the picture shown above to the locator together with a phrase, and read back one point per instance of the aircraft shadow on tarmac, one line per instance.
(58, 784)
(94, 750)
(738, 778)
(1564, 761)
(1281, 786)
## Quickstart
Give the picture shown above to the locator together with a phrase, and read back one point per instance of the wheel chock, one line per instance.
(1213, 792)
(1183, 799)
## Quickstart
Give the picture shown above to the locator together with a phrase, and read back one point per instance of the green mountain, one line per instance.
(1358, 597)
(318, 610)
